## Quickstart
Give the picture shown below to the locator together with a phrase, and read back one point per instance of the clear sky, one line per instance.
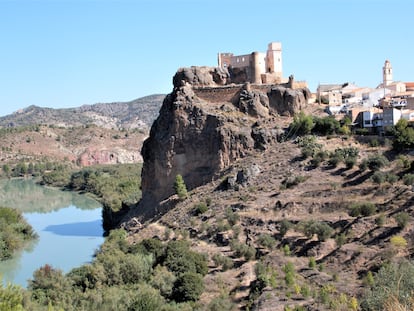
(67, 53)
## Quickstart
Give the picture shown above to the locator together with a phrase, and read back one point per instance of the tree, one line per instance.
(403, 135)
(302, 125)
(180, 188)
(393, 282)
(188, 287)
(11, 297)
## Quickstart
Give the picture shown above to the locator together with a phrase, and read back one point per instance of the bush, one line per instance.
(188, 287)
(232, 217)
(362, 209)
(320, 228)
(180, 187)
(290, 182)
(180, 259)
(408, 179)
(402, 219)
(289, 270)
(379, 177)
(14, 232)
(243, 250)
(266, 240)
(200, 208)
(225, 262)
(376, 162)
(312, 263)
(403, 136)
(392, 282)
(398, 242)
(147, 299)
(285, 225)
(326, 125)
(302, 125)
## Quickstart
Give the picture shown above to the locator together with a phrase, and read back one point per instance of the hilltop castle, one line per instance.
(257, 67)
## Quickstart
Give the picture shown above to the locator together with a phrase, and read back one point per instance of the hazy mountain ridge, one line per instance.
(91, 134)
(138, 113)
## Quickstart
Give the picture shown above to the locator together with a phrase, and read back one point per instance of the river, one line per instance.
(69, 226)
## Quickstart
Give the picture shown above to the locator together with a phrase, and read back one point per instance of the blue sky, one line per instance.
(66, 53)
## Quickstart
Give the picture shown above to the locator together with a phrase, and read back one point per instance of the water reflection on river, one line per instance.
(69, 226)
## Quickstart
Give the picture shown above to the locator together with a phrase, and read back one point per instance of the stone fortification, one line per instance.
(205, 125)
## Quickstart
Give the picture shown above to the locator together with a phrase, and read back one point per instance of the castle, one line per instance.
(257, 67)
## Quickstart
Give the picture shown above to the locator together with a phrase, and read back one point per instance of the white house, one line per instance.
(371, 97)
(391, 116)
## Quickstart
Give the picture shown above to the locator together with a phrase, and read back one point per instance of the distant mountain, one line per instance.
(139, 113)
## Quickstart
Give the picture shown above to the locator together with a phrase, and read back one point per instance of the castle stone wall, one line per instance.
(218, 94)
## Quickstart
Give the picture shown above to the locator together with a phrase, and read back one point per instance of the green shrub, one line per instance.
(225, 262)
(15, 232)
(286, 249)
(408, 179)
(180, 187)
(312, 263)
(232, 217)
(340, 239)
(163, 280)
(320, 228)
(326, 125)
(394, 281)
(188, 287)
(290, 182)
(180, 259)
(362, 209)
(221, 303)
(289, 270)
(285, 225)
(379, 177)
(302, 125)
(146, 299)
(376, 162)
(350, 162)
(363, 166)
(403, 136)
(200, 208)
(402, 219)
(243, 250)
(380, 220)
(266, 240)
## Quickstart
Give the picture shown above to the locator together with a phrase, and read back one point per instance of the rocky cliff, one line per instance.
(206, 124)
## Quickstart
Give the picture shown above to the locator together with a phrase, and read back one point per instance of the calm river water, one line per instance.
(69, 226)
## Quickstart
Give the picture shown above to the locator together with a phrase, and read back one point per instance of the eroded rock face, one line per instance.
(198, 138)
(187, 140)
(286, 101)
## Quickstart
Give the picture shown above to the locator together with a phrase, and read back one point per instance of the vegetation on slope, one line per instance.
(15, 232)
(150, 275)
(117, 186)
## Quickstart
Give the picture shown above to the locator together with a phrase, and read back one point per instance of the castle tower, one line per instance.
(256, 68)
(274, 58)
(387, 73)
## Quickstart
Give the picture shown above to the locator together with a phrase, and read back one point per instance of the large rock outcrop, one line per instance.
(198, 137)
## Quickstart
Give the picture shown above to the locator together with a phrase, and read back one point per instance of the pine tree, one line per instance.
(180, 188)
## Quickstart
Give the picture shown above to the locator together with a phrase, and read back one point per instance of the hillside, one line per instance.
(287, 221)
(91, 134)
(139, 113)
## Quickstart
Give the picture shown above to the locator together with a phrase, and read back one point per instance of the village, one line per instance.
(373, 109)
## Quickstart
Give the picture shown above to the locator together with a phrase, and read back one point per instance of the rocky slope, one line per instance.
(204, 126)
(255, 201)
